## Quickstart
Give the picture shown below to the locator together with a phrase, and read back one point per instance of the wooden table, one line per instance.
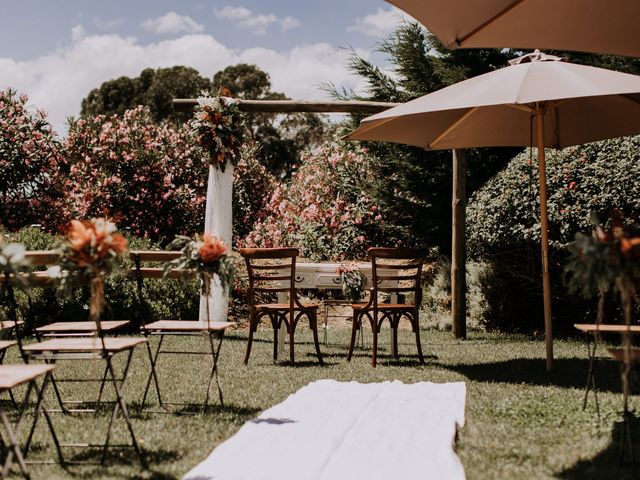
(593, 330)
(324, 276)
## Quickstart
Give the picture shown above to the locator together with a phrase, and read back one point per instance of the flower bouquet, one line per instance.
(219, 127)
(14, 264)
(91, 251)
(353, 281)
(206, 256)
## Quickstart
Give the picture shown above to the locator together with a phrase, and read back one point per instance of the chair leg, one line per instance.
(40, 408)
(417, 331)
(276, 327)
(354, 328)
(374, 332)
(214, 370)
(292, 332)
(249, 341)
(313, 320)
(395, 321)
(153, 374)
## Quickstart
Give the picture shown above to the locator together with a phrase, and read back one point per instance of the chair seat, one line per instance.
(285, 306)
(618, 354)
(14, 375)
(187, 326)
(78, 345)
(384, 306)
(67, 327)
(4, 344)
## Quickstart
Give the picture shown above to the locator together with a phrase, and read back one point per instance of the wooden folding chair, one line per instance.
(12, 376)
(273, 271)
(94, 348)
(408, 263)
(211, 332)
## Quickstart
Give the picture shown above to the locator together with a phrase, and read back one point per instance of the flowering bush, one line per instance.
(218, 125)
(325, 209)
(353, 281)
(30, 158)
(206, 255)
(151, 179)
(252, 186)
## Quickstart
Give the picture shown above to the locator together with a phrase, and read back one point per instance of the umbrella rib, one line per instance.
(451, 127)
(364, 128)
(460, 41)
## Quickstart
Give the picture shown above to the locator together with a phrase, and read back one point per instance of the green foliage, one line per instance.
(413, 185)
(155, 89)
(503, 226)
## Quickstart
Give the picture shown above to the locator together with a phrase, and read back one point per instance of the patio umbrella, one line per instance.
(599, 26)
(563, 104)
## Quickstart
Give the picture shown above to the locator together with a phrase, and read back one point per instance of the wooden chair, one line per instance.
(408, 264)
(273, 271)
(211, 332)
(12, 376)
(85, 349)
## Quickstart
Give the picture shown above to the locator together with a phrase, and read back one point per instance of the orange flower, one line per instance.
(80, 235)
(118, 243)
(628, 245)
(212, 249)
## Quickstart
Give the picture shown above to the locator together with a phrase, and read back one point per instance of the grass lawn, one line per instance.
(521, 422)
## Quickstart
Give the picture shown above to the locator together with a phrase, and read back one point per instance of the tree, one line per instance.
(155, 89)
(413, 185)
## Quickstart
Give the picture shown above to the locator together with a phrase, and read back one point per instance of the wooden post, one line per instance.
(544, 229)
(458, 246)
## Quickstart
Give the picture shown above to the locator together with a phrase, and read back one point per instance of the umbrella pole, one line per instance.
(544, 227)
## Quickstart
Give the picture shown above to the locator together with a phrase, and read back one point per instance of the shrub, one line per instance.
(325, 209)
(151, 179)
(503, 226)
(30, 158)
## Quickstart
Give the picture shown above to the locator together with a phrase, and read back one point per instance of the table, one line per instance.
(593, 330)
(324, 276)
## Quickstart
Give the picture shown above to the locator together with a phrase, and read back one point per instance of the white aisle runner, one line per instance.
(330, 430)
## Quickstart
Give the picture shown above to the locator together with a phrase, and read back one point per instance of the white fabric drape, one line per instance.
(331, 430)
(218, 221)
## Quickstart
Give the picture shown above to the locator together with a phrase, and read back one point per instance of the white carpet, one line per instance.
(331, 430)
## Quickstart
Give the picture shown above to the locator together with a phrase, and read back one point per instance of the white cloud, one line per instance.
(258, 23)
(57, 82)
(380, 23)
(172, 23)
(78, 33)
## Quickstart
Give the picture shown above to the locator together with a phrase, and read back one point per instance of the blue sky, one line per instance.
(56, 51)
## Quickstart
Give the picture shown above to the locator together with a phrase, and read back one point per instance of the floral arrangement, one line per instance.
(353, 281)
(91, 251)
(207, 256)
(605, 260)
(13, 264)
(219, 127)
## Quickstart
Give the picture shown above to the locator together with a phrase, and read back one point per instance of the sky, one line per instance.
(56, 51)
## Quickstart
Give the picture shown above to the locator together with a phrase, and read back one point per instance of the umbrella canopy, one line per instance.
(599, 26)
(539, 100)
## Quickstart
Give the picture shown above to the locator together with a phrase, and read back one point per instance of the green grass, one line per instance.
(521, 422)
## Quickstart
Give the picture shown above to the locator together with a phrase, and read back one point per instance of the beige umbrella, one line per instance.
(599, 26)
(564, 103)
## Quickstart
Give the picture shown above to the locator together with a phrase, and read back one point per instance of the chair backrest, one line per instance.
(271, 271)
(13, 311)
(139, 273)
(407, 264)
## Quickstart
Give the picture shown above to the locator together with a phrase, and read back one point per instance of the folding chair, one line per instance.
(12, 376)
(408, 262)
(84, 349)
(211, 332)
(272, 271)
